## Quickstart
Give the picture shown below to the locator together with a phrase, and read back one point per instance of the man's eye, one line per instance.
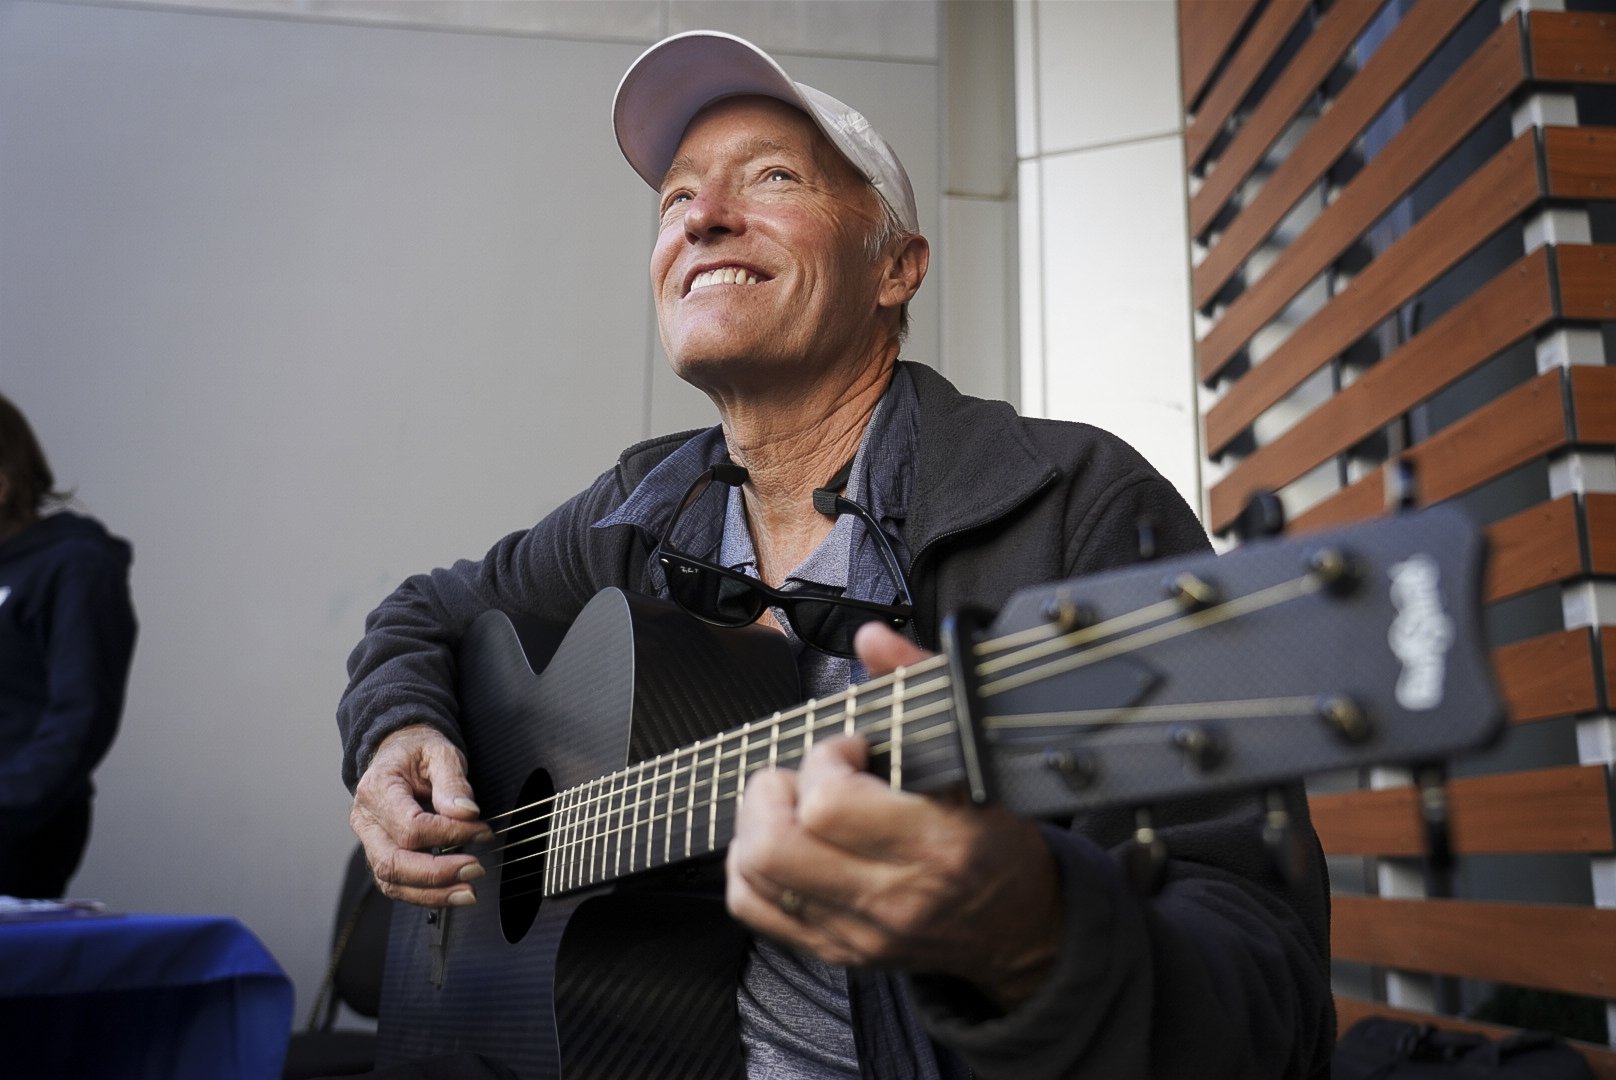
(675, 199)
(778, 174)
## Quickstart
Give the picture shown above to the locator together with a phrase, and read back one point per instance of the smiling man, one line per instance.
(844, 493)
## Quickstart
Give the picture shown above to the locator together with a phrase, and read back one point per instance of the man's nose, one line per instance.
(714, 211)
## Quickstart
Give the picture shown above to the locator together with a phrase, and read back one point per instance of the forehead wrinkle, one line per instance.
(752, 148)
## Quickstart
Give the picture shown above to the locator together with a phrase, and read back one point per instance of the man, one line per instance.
(896, 935)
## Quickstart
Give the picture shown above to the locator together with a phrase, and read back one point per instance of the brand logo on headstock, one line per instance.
(1421, 634)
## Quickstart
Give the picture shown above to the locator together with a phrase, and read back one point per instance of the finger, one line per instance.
(883, 649)
(413, 876)
(853, 810)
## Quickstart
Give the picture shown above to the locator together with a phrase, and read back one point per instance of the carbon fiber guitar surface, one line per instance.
(647, 969)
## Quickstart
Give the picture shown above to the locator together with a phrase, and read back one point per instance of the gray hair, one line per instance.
(889, 229)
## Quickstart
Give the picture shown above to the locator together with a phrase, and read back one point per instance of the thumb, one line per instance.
(445, 770)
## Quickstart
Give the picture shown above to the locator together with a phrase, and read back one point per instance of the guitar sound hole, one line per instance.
(522, 858)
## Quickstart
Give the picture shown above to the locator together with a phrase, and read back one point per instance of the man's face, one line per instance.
(760, 270)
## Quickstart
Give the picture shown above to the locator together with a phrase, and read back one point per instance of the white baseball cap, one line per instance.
(679, 76)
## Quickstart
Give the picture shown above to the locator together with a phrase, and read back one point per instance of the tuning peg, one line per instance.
(1192, 593)
(1336, 570)
(1067, 614)
(1144, 858)
(1201, 744)
(1287, 846)
(1345, 717)
(1263, 516)
(1431, 781)
(1079, 771)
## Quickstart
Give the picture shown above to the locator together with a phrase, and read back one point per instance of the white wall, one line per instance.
(1105, 304)
(306, 297)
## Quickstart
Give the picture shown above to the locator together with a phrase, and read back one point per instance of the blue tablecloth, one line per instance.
(153, 997)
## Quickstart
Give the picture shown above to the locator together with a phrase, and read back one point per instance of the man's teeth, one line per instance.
(727, 275)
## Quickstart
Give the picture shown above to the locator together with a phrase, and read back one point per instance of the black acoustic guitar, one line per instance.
(600, 948)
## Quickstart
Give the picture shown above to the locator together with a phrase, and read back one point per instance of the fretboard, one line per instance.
(681, 805)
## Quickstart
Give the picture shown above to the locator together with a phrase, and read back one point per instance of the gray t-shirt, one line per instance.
(794, 1009)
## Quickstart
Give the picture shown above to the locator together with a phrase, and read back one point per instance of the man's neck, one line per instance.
(789, 453)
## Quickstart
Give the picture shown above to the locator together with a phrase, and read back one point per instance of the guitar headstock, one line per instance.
(1252, 669)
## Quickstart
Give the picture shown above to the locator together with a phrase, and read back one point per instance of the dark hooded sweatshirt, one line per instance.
(67, 632)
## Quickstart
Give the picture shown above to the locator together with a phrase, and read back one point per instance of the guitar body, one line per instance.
(646, 968)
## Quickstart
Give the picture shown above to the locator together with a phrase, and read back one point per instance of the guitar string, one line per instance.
(1046, 635)
(1254, 601)
(588, 810)
(614, 800)
(612, 837)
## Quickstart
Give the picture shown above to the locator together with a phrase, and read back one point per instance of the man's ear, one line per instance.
(905, 272)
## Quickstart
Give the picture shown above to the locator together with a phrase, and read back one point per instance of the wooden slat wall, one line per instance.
(1328, 206)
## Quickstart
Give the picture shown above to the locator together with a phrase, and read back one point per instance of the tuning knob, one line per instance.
(1079, 771)
(1193, 593)
(1202, 746)
(1288, 849)
(1067, 614)
(1345, 717)
(1144, 858)
(1336, 570)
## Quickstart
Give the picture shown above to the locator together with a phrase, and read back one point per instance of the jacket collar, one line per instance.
(976, 462)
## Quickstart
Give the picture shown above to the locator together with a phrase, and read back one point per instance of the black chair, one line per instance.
(353, 978)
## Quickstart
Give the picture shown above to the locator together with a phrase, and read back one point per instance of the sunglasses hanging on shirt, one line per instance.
(725, 597)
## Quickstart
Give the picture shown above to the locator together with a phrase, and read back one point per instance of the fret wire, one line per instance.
(549, 863)
(566, 842)
(774, 740)
(895, 725)
(586, 837)
(564, 809)
(851, 711)
(617, 831)
(690, 799)
(634, 826)
(712, 805)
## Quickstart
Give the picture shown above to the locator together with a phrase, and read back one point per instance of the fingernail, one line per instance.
(462, 898)
(485, 837)
(463, 803)
(471, 872)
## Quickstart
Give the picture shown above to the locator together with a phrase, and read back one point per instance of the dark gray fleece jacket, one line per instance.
(1222, 973)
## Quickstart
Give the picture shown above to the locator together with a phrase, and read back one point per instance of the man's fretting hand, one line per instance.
(831, 860)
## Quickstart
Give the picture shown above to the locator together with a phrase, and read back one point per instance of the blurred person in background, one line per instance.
(67, 633)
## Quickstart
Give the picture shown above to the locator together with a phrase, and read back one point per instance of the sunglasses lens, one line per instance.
(716, 597)
(828, 626)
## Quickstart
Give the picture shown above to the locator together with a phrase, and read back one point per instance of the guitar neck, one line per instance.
(681, 805)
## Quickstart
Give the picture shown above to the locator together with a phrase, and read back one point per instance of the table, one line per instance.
(88, 996)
